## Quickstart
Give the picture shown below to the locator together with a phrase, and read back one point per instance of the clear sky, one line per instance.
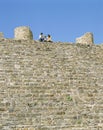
(64, 20)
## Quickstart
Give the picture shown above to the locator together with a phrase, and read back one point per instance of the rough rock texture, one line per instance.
(1, 35)
(85, 39)
(23, 32)
(50, 86)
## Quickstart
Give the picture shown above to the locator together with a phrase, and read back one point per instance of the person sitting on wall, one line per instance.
(45, 39)
(49, 39)
(41, 37)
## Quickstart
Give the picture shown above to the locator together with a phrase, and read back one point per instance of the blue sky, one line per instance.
(65, 20)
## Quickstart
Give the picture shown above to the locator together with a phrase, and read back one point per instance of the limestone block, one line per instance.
(87, 38)
(23, 33)
(1, 35)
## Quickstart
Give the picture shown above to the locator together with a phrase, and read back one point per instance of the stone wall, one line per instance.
(50, 86)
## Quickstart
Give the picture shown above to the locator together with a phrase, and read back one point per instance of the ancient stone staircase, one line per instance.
(50, 86)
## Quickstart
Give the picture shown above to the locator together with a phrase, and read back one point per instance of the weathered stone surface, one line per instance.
(1, 35)
(23, 33)
(50, 86)
(85, 39)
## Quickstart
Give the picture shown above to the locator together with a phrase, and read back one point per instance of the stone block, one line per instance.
(87, 38)
(23, 33)
(1, 35)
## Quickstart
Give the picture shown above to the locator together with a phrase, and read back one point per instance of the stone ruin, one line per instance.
(23, 33)
(87, 38)
(1, 35)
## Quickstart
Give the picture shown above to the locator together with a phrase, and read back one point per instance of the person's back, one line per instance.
(41, 37)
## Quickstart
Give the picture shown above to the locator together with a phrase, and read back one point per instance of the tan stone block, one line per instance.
(19, 129)
(87, 38)
(24, 33)
(25, 129)
(31, 128)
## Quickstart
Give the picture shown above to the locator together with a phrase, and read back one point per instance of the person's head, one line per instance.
(48, 35)
(41, 33)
